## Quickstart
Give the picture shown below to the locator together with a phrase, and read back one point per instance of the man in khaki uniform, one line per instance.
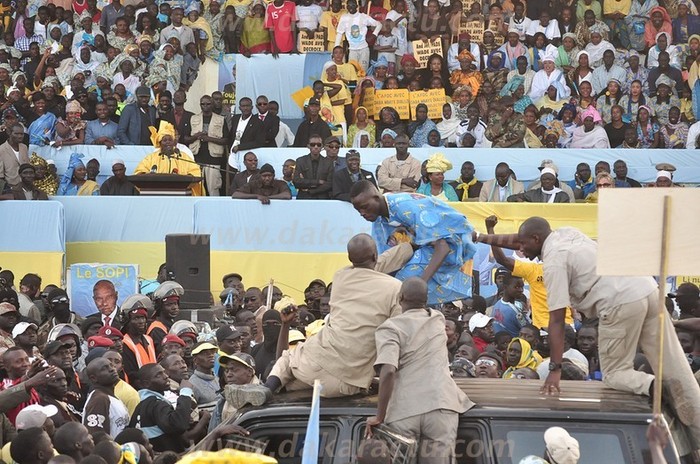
(411, 348)
(341, 355)
(627, 308)
(209, 142)
(401, 172)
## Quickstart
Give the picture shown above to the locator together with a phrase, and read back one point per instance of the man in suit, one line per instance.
(503, 186)
(312, 125)
(271, 123)
(344, 179)
(136, 118)
(313, 175)
(247, 133)
(179, 117)
(13, 154)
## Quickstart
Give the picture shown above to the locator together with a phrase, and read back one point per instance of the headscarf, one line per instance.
(164, 129)
(592, 112)
(388, 132)
(438, 163)
(202, 25)
(465, 55)
(358, 138)
(67, 178)
(448, 127)
(512, 85)
(529, 358)
(567, 106)
(73, 106)
(358, 88)
(326, 66)
(409, 58)
(49, 184)
(381, 61)
(491, 55)
(130, 453)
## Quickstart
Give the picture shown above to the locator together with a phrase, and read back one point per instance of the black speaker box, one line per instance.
(188, 263)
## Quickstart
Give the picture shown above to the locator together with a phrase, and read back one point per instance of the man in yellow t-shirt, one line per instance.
(530, 271)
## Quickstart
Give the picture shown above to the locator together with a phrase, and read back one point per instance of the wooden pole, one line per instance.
(268, 304)
(663, 271)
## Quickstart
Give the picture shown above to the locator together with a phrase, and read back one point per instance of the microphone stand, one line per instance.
(186, 159)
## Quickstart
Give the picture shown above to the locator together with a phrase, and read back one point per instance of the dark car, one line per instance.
(507, 424)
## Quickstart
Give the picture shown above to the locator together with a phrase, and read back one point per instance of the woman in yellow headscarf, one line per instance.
(168, 159)
(437, 187)
(45, 180)
(520, 355)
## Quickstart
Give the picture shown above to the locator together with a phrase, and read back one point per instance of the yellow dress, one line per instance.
(176, 164)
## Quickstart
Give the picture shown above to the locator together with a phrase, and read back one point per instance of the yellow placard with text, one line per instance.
(397, 99)
(688, 279)
(433, 98)
(368, 101)
(475, 29)
(309, 45)
(423, 50)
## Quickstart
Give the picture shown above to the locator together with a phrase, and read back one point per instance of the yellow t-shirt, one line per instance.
(128, 395)
(533, 274)
(617, 6)
(330, 20)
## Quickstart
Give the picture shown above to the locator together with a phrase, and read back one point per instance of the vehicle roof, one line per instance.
(493, 397)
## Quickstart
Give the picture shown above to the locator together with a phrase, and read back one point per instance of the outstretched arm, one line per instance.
(387, 378)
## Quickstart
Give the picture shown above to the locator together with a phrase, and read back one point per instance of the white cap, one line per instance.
(665, 174)
(562, 447)
(118, 161)
(548, 57)
(22, 327)
(34, 415)
(49, 161)
(548, 170)
(479, 321)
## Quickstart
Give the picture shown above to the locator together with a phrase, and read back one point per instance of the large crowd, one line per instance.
(578, 74)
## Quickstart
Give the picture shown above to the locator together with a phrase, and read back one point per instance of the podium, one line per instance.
(164, 184)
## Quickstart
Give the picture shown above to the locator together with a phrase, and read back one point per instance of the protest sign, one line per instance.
(308, 45)
(397, 99)
(433, 98)
(423, 50)
(82, 277)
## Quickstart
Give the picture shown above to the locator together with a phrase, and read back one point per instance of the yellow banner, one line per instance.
(397, 99)
(302, 95)
(475, 29)
(433, 98)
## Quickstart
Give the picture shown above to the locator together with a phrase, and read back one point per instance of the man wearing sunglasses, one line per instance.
(58, 311)
(270, 122)
(313, 175)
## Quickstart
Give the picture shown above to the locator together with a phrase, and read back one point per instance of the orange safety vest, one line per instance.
(157, 325)
(143, 355)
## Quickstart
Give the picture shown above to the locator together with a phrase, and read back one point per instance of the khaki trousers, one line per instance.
(212, 179)
(436, 432)
(625, 327)
(298, 372)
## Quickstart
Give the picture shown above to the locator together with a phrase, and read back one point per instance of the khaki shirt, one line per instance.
(415, 343)
(361, 300)
(392, 170)
(571, 278)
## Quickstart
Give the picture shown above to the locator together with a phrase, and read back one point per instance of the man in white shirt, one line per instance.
(549, 27)
(309, 14)
(354, 25)
(693, 133)
(464, 43)
(519, 22)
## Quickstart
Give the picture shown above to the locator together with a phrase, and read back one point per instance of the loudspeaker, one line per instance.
(187, 261)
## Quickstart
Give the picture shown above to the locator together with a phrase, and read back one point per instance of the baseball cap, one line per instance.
(562, 447)
(6, 307)
(313, 101)
(226, 332)
(242, 358)
(296, 336)
(284, 303)
(204, 346)
(686, 288)
(52, 347)
(142, 90)
(21, 327)
(170, 338)
(95, 353)
(98, 341)
(168, 289)
(107, 331)
(34, 415)
(479, 321)
(331, 139)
